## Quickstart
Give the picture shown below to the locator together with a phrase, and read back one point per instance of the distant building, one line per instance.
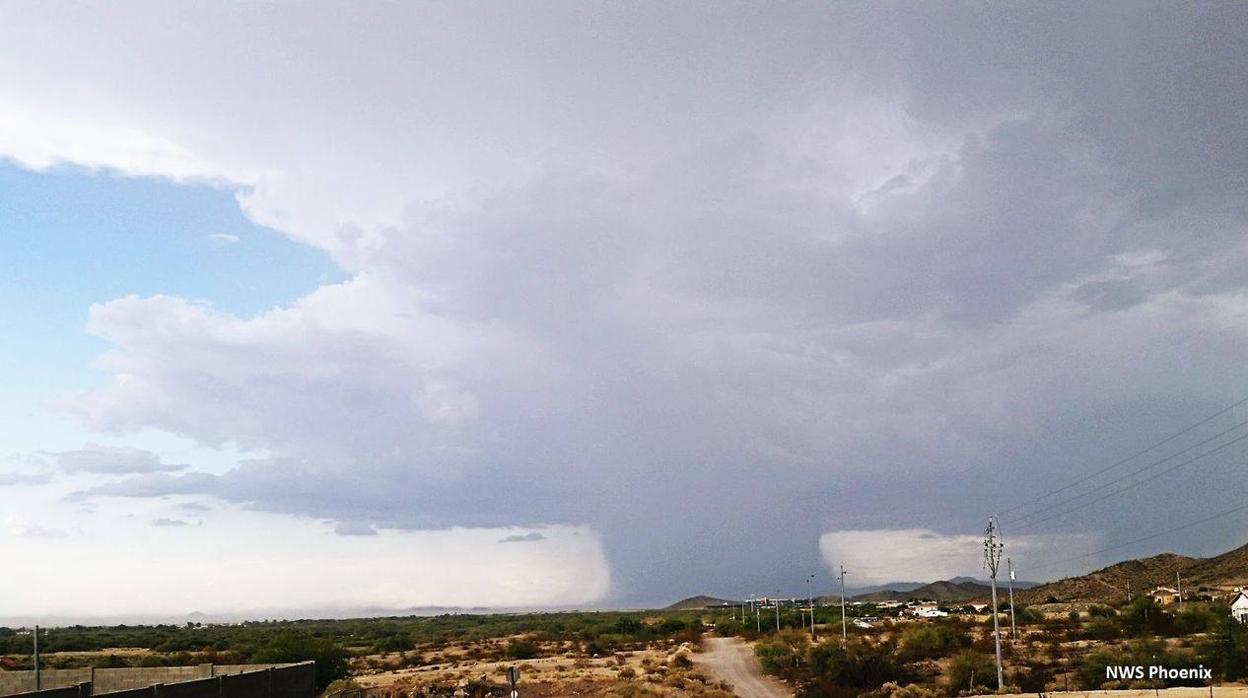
(1165, 596)
(866, 621)
(1239, 606)
(926, 609)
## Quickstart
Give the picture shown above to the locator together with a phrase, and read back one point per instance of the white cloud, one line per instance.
(42, 138)
(222, 239)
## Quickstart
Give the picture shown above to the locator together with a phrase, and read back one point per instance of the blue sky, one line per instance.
(73, 238)
(726, 300)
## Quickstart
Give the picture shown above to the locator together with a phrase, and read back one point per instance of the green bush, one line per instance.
(520, 649)
(294, 646)
(1226, 650)
(782, 651)
(1103, 629)
(1196, 618)
(931, 641)
(970, 671)
(856, 665)
(1140, 652)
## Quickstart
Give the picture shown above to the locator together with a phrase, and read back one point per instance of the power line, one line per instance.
(1149, 537)
(1129, 458)
(1135, 484)
(1129, 475)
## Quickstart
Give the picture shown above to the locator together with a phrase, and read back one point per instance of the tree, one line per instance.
(290, 646)
(931, 641)
(856, 665)
(1226, 650)
(969, 670)
(520, 649)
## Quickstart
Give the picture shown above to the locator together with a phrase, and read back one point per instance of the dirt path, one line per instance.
(729, 659)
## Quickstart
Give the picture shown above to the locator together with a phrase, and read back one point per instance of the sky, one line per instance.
(313, 307)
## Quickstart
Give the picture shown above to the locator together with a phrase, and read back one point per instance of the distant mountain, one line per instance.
(891, 586)
(697, 603)
(1018, 584)
(944, 591)
(1230, 569)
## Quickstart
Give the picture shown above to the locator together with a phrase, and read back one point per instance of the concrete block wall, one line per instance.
(249, 679)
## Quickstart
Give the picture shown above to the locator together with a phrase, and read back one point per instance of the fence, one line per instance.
(113, 679)
(282, 681)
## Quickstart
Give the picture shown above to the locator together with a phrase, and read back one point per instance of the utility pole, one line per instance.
(776, 601)
(810, 589)
(38, 682)
(844, 628)
(992, 560)
(1128, 591)
(758, 618)
(1013, 627)
(1178, 582)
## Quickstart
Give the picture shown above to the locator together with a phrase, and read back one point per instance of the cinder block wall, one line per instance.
(119, 679)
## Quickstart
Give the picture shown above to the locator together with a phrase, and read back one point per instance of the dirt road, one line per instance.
(729, 659)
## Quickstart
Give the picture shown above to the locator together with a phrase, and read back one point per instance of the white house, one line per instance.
(1239, 606)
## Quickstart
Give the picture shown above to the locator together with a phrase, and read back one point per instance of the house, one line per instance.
(1239, 606)
(1164, 596)
(926, 609)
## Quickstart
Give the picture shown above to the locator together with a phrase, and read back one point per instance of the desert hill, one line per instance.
(944, 591)
(697, 603)
(1229, 569)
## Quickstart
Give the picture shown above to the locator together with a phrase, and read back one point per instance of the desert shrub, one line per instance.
(892, 690)
(1097, 610)
(1195, 619)
(295, 646)
(632, 690)
(671, 626)
(398, 642)
(521, 649)
(784, 650)
(626, 673)
(971, 671)
(1226, 650)
(931, 641)
(1143, 615)
(1140, 652)
(1102, 629)
(856, 665)
(681, 661)
(1026, 616)
(341, 685)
